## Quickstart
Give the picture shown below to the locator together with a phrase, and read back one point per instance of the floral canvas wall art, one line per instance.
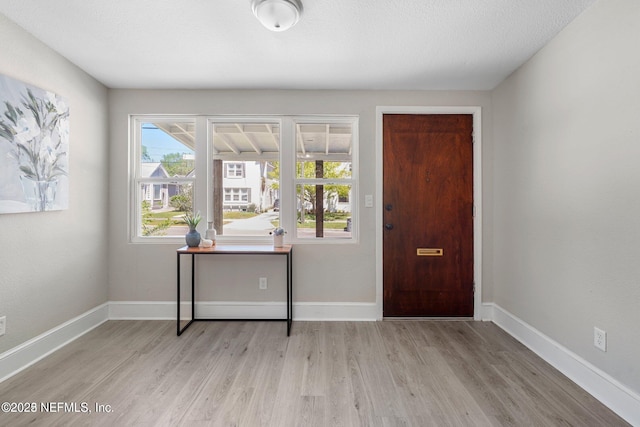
(34, 148)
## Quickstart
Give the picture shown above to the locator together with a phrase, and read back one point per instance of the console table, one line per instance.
(286, 250)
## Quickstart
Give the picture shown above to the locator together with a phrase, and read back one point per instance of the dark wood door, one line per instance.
(428, 215)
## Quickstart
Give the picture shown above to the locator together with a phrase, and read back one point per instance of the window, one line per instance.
(245, 155)
(232, 195)
(163, 165)
(234, 170)
(254, 174)
(324, 179)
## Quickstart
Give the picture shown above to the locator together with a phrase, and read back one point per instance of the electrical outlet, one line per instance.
(600, 339)
(3, 325)
(262, 283)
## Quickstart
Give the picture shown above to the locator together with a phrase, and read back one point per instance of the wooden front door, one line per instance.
(428, 215)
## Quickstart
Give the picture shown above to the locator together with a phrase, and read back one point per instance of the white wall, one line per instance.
(53, 264)
(567, 189)
(322, 273)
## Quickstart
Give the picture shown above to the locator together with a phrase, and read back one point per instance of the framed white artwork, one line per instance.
(34, 148)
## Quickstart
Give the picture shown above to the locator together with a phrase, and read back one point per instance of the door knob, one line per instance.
(388, 207)
(388, 226)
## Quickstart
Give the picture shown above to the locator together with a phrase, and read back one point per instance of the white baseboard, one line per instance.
(335, 311)
(26, 354)
(615, 395)
(486, 312)
(302, 311)
(166, 310)
(146, 310)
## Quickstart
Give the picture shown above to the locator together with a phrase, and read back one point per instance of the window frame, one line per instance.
(207, 203)
(135, 197)
(202, 186)
(352, 180)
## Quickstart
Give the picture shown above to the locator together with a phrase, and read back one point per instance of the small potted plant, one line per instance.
(192, 220)
(278, 237)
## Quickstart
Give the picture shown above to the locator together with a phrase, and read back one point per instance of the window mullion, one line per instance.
(288, 199)
(164, 180)
(203, 170)
(324, 181)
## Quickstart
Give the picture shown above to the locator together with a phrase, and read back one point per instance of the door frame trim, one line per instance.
(476, 111)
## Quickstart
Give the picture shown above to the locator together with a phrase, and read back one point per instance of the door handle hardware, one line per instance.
(388, 207)
(388, 226)
(430, 252)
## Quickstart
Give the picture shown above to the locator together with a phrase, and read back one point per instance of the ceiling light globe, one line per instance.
(277, 15)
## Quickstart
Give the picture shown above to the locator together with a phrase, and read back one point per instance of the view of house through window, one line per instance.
(254, 180)
(246, 179)
(324, 180)
(165, 177)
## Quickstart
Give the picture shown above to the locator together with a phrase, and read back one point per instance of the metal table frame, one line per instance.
(286, 250)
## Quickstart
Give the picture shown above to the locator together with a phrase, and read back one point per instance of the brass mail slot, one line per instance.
(430, 252)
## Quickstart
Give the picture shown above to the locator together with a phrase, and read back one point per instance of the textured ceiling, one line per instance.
(338, 44)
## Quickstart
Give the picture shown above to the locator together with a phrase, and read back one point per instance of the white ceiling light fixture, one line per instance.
(277, 15)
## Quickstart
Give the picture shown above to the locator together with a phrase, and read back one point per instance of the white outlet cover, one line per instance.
(368, 201)
(600, 339)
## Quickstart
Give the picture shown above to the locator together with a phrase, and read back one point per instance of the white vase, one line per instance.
(277, 240)
(211, 235)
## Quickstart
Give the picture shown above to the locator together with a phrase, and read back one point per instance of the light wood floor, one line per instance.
(409, 373)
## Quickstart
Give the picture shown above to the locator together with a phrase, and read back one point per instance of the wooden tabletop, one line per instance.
(236, 249)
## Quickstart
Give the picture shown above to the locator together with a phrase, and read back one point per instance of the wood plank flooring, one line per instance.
(391, 373)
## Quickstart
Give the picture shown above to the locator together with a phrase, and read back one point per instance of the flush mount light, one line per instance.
(277, 15)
